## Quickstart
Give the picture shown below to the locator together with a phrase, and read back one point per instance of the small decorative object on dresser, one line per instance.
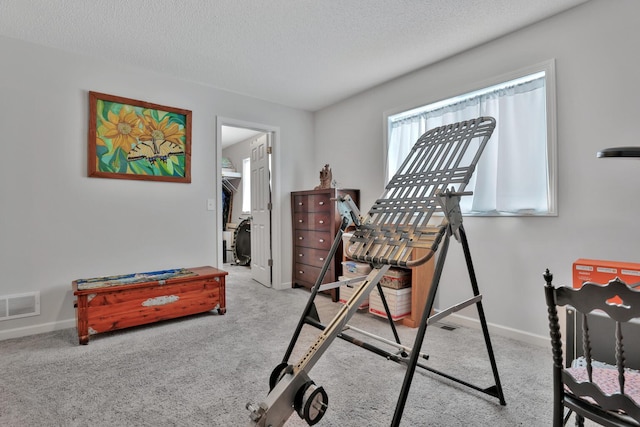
(326, 178)
(316, 221)
(115, 302)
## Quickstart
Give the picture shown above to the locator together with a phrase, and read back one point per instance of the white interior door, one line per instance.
(261, 210)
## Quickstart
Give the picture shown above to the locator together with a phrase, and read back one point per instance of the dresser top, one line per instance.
(324, 190)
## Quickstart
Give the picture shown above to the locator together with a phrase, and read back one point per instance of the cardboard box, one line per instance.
(347, 290)
(398, 300)
(396, 278)
(599, 271)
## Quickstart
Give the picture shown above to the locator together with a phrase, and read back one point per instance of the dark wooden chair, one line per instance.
(606, 394)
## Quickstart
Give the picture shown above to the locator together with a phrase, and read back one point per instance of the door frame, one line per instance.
(276, 216)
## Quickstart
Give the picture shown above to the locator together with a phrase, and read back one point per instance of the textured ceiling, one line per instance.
(301, 53)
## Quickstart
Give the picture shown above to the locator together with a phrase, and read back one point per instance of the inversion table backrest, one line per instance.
(443, 158)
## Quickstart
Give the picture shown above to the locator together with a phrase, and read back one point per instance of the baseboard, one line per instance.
(503, 331)
(37, 329)
(282, 286)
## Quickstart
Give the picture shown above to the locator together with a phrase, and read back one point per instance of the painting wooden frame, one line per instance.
(130, 139)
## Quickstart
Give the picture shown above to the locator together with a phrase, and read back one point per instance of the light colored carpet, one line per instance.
(202, 370)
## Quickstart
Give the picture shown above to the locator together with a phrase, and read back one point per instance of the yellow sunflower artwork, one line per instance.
(139, 139)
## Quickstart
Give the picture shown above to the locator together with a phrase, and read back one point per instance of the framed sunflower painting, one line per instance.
(131, 139)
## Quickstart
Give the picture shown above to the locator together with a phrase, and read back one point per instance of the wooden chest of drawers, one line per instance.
(316, 220)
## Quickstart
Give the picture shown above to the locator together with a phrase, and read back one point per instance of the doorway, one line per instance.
(238, 142)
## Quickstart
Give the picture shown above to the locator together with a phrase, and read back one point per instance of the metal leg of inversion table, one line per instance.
(388, 313)
(314, 291)
(495, 390)
(422, 329)
(291, 382)
(316, 287)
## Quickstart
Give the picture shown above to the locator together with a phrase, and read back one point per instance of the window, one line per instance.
(246, 185)
(516, 172)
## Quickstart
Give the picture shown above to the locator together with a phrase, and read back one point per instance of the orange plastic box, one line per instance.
(599, 271)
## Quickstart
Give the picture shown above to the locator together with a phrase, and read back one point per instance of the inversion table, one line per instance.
(419, 209)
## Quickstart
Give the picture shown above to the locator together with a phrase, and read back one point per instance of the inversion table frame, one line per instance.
(430, 181)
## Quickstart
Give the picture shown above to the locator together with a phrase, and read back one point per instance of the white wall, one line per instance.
(57, 225)
(598, 94)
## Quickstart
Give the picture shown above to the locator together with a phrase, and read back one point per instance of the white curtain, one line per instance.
(511, 176)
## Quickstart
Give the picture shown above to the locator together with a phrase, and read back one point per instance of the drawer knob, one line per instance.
(300, 255)
(321, 222)
(300, 238)
(301, 271)
(321, 240)
(300, 204)
(321, 203)
(300, 220)
(321, 259)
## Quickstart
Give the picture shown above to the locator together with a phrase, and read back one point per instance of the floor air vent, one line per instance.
(19, 305)
(448, 327)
